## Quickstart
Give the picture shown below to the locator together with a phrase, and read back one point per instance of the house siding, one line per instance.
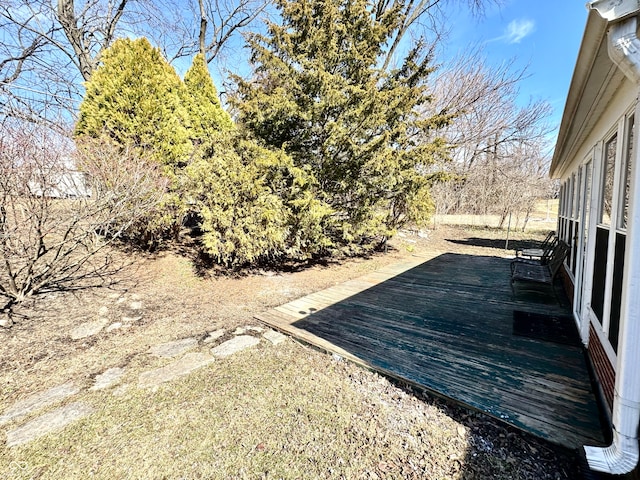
(604, 371)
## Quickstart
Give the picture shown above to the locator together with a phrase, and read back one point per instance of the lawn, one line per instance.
(271, 411)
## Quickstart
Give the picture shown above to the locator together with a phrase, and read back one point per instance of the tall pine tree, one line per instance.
(206, 115)
(319, 94)
(135, 97)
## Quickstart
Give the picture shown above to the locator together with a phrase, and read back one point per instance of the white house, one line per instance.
(64, 183)
(596, 161)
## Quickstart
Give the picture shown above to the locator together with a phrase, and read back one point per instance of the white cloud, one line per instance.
(518, 29)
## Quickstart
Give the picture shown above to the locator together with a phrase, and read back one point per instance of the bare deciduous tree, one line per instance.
(49, 49)
(500, 148)
(425, 19)
(221, 20)
(56, 221)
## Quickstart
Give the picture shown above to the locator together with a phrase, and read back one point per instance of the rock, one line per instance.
(49, 422)
(274, 337)
(121, 390)
(108, 378)
(213, 336)
(88, 329)
(5, 320)
(234, 345)
(38, 401)
(173, 349)
(103, 311)
(184, 366)
(255, 329)
(135, 305)
(240, 331)
(130, 320)
(113, 326)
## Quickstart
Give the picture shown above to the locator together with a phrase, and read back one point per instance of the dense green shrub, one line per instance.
(254, 206)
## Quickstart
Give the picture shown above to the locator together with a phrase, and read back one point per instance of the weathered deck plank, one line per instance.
(445, 324)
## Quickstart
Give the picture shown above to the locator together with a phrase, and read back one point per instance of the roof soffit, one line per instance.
(595, 80)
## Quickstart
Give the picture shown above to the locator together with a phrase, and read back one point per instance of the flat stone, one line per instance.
(274, 337)
(121, 390)
(38, 401)
(184, 366)
(240, 331)
(88, 329)
(49, 422)
(108, 378)
(130, 320)
(5, 321)
(213, 336)
(104, 310)
(113, 326)
(173, 349)
(234, 345)
(135, 305)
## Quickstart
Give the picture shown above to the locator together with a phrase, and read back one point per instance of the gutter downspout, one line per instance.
(622, 455)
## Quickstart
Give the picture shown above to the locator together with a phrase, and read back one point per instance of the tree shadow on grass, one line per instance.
(498, 243)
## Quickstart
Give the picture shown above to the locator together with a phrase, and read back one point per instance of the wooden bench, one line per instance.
(533, 273)
(543, 252)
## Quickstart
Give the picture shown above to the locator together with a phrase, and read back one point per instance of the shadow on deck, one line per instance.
(446, 324)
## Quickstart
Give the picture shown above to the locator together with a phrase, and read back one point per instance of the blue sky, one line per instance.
(542, 35)
(545, 35)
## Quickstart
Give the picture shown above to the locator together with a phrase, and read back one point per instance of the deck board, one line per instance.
(444, 323)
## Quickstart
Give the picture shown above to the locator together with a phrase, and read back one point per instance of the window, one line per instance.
(626, 180)
(608, 178)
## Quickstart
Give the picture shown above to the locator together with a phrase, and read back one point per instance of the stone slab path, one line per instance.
(49, 422)
(38, 401)
(173, 349)
(108, 378)
(187, 364)
(235, 345)
(54, 420)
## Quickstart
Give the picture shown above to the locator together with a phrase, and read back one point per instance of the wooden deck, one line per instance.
(446, 325)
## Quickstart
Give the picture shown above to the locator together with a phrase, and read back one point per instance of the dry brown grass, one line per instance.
(284, 411)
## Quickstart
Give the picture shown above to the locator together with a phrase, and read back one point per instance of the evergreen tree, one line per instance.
(135, 97)
(319, 94)
(205, 112)
(253, 204)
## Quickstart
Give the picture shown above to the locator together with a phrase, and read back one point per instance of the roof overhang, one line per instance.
(615, 10)
(595, 80)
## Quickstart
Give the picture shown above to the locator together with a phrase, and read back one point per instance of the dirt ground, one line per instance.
(162, 297)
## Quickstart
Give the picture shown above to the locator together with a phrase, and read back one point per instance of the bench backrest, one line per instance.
(558, 254)
(549, 240)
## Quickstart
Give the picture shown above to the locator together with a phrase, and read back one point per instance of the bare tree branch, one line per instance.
(55, 220)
